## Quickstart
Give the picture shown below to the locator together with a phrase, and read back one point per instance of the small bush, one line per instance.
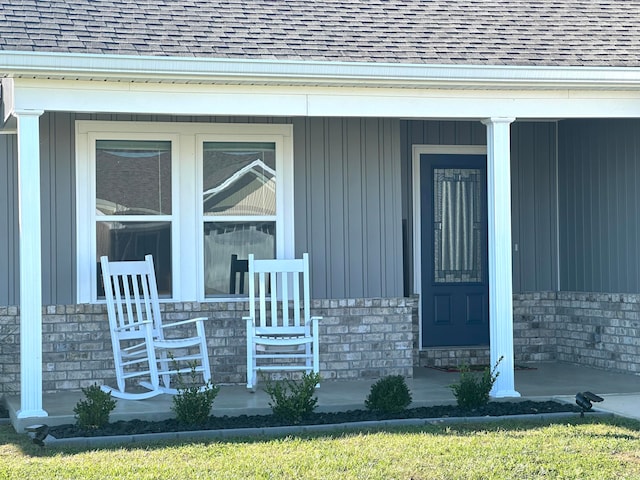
(389, 394)
(93, 412)
(472, 391)
(293, 400)
(192, 404)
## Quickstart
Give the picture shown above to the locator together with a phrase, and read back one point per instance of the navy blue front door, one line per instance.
(455, 287)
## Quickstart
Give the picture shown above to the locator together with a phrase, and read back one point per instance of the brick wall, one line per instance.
(9, 350)
(596, 330)
(535, 327)
(442, 357)
(360, 338)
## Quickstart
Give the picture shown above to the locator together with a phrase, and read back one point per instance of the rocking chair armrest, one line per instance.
(128, 326)
(315, 319)
(250, 321)
(184, 322)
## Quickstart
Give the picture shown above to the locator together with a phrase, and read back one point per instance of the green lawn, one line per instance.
(598, 448)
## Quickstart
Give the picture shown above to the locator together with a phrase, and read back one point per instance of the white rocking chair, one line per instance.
(281, 336)
(140, 350)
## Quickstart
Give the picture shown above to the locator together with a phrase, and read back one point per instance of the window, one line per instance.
(191, 194)
(239, 209)
(133, 204)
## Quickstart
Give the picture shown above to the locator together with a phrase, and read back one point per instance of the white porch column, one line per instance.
(500, 273)
(30, 264)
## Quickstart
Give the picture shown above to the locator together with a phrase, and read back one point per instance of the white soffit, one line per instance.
(127, 68)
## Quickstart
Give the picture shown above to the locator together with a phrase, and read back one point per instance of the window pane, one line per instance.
(239, 178)
(133, 177)
(222, 240)
(132, 241)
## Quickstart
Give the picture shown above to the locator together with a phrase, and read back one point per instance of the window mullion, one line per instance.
(239, 218)
(134, 218)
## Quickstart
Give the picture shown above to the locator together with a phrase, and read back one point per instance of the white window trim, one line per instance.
(187, 215)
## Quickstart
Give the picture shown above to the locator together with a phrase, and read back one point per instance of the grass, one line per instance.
(591, 448)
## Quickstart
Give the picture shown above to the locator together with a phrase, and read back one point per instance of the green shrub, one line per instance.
(293, 400)
(472, 391)
(93, 412)
(192, 404)
(389, 394)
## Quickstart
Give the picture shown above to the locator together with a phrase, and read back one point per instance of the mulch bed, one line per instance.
(135, 427)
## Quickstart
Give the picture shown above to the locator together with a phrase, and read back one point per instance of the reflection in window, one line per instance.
(239, 207)
(132, 241)
(239, 179)
(133, 177)
(222, 240)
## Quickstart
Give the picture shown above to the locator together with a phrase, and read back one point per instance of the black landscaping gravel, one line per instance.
(135, 427)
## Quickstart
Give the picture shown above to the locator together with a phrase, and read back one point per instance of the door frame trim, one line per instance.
(418, 150)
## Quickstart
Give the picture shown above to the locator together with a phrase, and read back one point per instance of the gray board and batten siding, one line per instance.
(347, 190)
(353, 196)
(534, 206)
(353, 232)
(599, 205)
(9, 266)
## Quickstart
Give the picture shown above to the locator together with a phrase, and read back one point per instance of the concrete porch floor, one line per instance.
(544, 381)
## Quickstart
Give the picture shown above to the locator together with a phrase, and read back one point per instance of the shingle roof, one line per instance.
(478, 32)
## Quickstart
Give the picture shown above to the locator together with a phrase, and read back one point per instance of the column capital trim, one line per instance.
(27, 113)
(494, 120)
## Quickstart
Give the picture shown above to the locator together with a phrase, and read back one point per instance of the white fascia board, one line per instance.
(481, 104)
(172, 99)
(159, 99)
(216, 70)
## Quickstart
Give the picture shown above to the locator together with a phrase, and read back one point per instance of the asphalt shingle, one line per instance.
(487, 32)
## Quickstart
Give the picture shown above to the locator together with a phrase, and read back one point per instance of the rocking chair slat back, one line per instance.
(134, 294)
(279, 286)
(280, 328)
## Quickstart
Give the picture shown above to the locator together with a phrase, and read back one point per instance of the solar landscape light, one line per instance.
(584, 401)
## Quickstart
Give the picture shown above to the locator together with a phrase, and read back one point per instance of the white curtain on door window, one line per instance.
(457, 241)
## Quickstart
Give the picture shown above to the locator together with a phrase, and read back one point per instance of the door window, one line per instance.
(457, 228)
